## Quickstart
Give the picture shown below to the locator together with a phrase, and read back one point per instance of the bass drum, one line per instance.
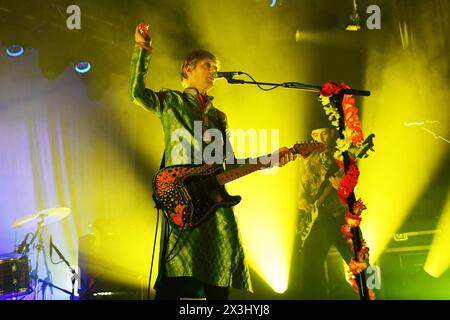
(14, 275)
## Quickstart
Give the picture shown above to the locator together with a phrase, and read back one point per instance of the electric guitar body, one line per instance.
(190, 193)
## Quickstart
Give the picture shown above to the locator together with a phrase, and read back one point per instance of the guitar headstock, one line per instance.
(305, 149)
(365, 147)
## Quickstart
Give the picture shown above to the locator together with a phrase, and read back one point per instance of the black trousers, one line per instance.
(309, 273)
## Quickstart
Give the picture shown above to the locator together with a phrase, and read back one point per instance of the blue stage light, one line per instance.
(14, 51)
(83, 67)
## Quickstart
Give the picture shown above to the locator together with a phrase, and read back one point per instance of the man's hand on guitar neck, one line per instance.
(285, 155)
(279, 158)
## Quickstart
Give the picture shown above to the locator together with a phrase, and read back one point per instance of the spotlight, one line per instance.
(83, 67)
(297, 36)
(14, 51)
(354, 19)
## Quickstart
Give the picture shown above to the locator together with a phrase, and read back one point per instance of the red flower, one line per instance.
(349, 108)
(371, 294)
(358, 207)
(344, 86)
(363, 254)
(348, 181)
(357, 266)
(352, 120)
(352, 220)
(330, 88)
(347, 231)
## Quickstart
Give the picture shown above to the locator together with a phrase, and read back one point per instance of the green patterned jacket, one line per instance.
(212, 252)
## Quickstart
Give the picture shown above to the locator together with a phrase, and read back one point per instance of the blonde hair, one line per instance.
(192, 58)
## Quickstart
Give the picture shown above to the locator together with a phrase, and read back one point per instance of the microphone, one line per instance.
(228, 74)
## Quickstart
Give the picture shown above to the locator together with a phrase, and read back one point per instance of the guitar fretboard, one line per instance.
(237, 173)
(304, 149)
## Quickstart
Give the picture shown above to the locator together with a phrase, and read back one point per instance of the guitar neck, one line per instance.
(237, 173)
(324, 195)
(304, 149)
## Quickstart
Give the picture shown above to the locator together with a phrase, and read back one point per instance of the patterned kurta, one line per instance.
(211, 252)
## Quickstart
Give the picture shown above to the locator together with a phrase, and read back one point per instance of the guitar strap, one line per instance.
(224, 144)
(225, 140)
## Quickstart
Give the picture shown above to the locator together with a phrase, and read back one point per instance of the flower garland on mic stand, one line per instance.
(350, 135)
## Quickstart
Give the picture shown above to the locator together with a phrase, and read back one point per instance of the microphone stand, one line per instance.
(51, 285)
(336, 101)
(72, 270)
(297, 85)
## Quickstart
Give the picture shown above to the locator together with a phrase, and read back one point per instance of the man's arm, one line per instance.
(140, 61)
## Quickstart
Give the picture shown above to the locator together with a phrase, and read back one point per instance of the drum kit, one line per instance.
(15, 276)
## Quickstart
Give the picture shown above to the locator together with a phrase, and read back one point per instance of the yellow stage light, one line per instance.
(438, 260)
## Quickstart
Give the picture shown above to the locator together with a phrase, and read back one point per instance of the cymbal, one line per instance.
(49, 216)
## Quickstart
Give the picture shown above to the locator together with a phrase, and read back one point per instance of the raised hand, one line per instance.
(142, 36)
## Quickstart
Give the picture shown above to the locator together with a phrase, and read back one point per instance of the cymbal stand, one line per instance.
(40, 247)
(48, 280)
(38, 253)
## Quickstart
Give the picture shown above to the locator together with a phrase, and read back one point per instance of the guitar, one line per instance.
(307, 219)
(189, 194)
